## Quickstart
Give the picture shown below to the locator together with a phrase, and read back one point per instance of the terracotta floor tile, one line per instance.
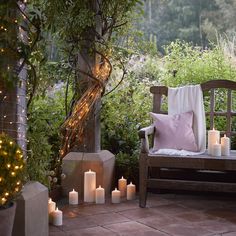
(158, 221)
(54, 228)
(226, 214)
(60, 233)
(138, 213)
(217, 226)
(98, 231)
(165, 215)
(230, 234)
(186, 230)
(196, 216)
(108, 218)
(171, 209)
(128, 227)
(145, 233)
(77, 223)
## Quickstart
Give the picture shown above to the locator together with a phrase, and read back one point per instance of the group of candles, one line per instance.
(92, 194)
(124, 190)
(55, 215)
(217, 146)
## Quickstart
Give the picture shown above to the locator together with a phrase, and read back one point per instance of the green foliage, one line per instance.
(123, 112)
(46, 115)
(185, 64)
(12, 171)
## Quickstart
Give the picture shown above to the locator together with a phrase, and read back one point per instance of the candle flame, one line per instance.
(57, 209)
(50, 200)
(73, 190)
(224, 135)
(115, 189)
(99, 186)
(131, 182)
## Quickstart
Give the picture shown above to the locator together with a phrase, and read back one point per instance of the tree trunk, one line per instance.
(13, 93)
(87, 61)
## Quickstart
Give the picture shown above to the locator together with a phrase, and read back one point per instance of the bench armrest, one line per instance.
(143, 135)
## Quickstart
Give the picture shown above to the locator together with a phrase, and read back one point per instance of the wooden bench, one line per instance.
(194, 173)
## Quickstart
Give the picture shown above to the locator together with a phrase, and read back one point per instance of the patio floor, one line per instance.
(166, 214)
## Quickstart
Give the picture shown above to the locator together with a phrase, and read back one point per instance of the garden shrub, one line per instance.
(46, 115)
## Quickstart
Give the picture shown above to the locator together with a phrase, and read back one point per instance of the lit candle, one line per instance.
(216, 150)
(100, 195)
(115, 196)
(213, 137)
(122, 185)
(56, 217)
(89, 186)
(73, 197)
(51, 206)
(131, 191)
(225, 146)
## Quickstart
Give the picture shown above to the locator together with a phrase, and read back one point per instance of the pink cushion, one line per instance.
(174, 131)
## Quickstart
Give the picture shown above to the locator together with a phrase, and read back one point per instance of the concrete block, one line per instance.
(74, 165)
(31, 217)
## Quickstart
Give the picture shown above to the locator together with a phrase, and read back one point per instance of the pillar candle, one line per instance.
(57, 217)
(216, 150)
(115, 196)
(131, 191)
(89, 186)
(122, 185)
(213, 137)
(73, 197)
(100, 195)
(225, 146)
(51, 206)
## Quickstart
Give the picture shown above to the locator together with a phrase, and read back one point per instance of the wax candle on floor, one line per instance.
(100, 195)
(115, 196)
(73, 197)
(122, 185)
(89, 186)
(225, 146)
(131, 191)
(213, 137)
(216, 150)
(51, 206)
(56, 217)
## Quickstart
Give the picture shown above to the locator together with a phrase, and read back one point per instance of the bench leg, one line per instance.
(143, 175)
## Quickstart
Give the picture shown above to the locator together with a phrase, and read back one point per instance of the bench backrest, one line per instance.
(209, 90)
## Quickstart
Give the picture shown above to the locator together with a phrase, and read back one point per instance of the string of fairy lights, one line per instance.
(13, 114)
(74, 126)
(11, 169)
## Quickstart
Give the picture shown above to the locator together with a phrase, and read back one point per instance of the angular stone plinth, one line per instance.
(74, 165)
(32, 211)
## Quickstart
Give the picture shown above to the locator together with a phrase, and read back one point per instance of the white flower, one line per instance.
(54, 179)
(63, 176)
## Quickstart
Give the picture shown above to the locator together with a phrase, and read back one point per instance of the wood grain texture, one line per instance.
(182, 166)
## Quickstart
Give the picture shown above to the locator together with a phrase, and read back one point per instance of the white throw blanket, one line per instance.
(184, 99)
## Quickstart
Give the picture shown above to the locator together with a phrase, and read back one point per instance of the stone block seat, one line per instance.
(193, 173)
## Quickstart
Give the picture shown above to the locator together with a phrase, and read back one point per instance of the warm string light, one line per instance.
(10, 180)
(73, 127)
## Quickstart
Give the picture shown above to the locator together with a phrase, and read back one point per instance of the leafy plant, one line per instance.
(185, 64)
(12, 174)
(46, 116)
